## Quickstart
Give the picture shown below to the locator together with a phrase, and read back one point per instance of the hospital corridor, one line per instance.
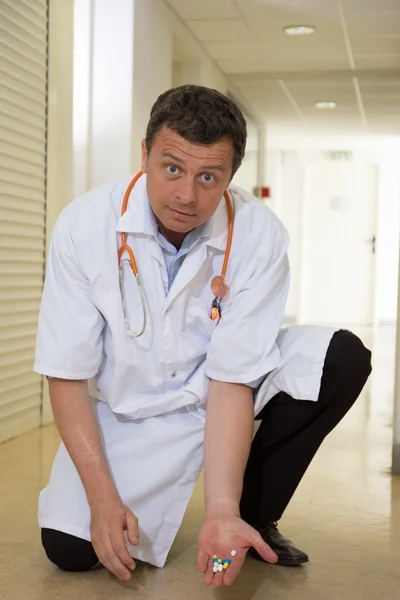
(84, 112)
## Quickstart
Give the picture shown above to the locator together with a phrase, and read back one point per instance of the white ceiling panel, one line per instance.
(374, 6)
(287, 52)
(272, 30)
(293, 10)
(377, 61)
(220, 30)
(282, 76)
(374, 24)
(376, 46)
(205, 9)
(276, 64)
(378, 87)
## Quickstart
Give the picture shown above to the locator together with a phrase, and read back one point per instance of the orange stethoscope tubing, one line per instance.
(219, 285)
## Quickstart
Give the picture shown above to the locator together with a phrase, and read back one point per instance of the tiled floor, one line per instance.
(346, 514)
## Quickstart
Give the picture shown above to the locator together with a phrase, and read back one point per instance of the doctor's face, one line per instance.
(185, 181)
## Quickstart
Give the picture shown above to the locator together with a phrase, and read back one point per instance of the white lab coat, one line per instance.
(150, 393)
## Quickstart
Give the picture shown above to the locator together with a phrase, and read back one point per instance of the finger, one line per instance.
(218, 579)
(232, 572)
(202, 561)
(209, 575)
(110, 560)
(120, 549)
(263, 549)
(132, 527)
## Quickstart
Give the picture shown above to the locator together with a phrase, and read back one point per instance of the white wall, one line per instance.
(387, 255)
(59, 186)
(285, 167)
(123, 60)
(103, 91)
(152, 69)
(247, 176)
(285, 176)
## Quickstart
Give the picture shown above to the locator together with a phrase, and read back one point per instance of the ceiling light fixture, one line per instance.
(300, 29)
(325, 105)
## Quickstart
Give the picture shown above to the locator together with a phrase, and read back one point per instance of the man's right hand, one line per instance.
(109, 520)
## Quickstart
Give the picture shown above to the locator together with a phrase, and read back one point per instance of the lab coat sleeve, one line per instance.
(69, 339)
(243, 346)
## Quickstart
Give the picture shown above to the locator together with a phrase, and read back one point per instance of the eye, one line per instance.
(208, 177)
(172, 169)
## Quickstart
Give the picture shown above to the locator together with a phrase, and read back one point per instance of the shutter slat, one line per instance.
(25, 379)
(16, 192)
(17, 166)
(23, 417)
(14, 125)
(20, 344)
(15, 281)
(15, 179)
(10, 98)
(37, 6)
(22, 72)
(18, 332)
(12, 18)
(16, 55)
(10, 243)
(19, 139)
(23, 114)
(18, 306)
(22, 155)
(22, 293)
(24, 10)
(12, 88)
(20, 268)
(13, 78)
(18, 393)
(15, 369)
(12, 36)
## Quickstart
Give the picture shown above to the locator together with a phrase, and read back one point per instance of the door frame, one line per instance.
(302, 298)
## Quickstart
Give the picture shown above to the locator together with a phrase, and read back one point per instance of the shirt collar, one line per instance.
(139, 219)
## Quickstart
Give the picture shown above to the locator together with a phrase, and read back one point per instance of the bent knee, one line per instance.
(349, 356)
(68, 552)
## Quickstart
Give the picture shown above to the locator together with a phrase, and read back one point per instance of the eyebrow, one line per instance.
(205, 167)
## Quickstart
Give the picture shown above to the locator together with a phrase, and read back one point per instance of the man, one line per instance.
(141, 367)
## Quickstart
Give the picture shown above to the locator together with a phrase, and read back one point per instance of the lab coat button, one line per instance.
(173, 374)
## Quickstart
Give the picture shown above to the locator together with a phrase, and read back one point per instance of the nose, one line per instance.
(186, 191)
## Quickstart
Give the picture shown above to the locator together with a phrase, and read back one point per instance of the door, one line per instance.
(338, 243)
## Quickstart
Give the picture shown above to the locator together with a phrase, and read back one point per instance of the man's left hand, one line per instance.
(219, 536)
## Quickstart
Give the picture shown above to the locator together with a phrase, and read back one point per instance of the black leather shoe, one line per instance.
(288, 554)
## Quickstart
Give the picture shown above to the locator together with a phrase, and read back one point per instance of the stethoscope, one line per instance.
(219, 285)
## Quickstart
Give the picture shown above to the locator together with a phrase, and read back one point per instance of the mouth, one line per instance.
(181, 213)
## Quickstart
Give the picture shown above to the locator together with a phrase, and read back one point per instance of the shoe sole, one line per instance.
(292, 563)
(282, 563)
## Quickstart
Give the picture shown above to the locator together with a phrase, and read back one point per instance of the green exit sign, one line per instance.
(342, 155)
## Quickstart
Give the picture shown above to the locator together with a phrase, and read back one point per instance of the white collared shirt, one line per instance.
(81, 332)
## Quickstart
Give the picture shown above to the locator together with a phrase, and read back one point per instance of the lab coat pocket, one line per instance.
(199, 326)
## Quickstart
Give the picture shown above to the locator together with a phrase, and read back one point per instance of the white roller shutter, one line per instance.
(23, 103)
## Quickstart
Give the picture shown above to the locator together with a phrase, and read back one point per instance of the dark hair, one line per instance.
(200, 115)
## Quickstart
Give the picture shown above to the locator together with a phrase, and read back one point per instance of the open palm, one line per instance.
(221, 535)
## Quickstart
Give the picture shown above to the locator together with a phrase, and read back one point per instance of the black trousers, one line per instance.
(288, 438)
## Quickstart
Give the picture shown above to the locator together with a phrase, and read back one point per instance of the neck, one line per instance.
(173, 237)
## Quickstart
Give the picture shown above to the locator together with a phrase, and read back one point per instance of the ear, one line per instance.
(145, 156)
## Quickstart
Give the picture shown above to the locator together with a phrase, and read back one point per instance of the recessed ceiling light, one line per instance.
(325, 105)
(300, 29)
